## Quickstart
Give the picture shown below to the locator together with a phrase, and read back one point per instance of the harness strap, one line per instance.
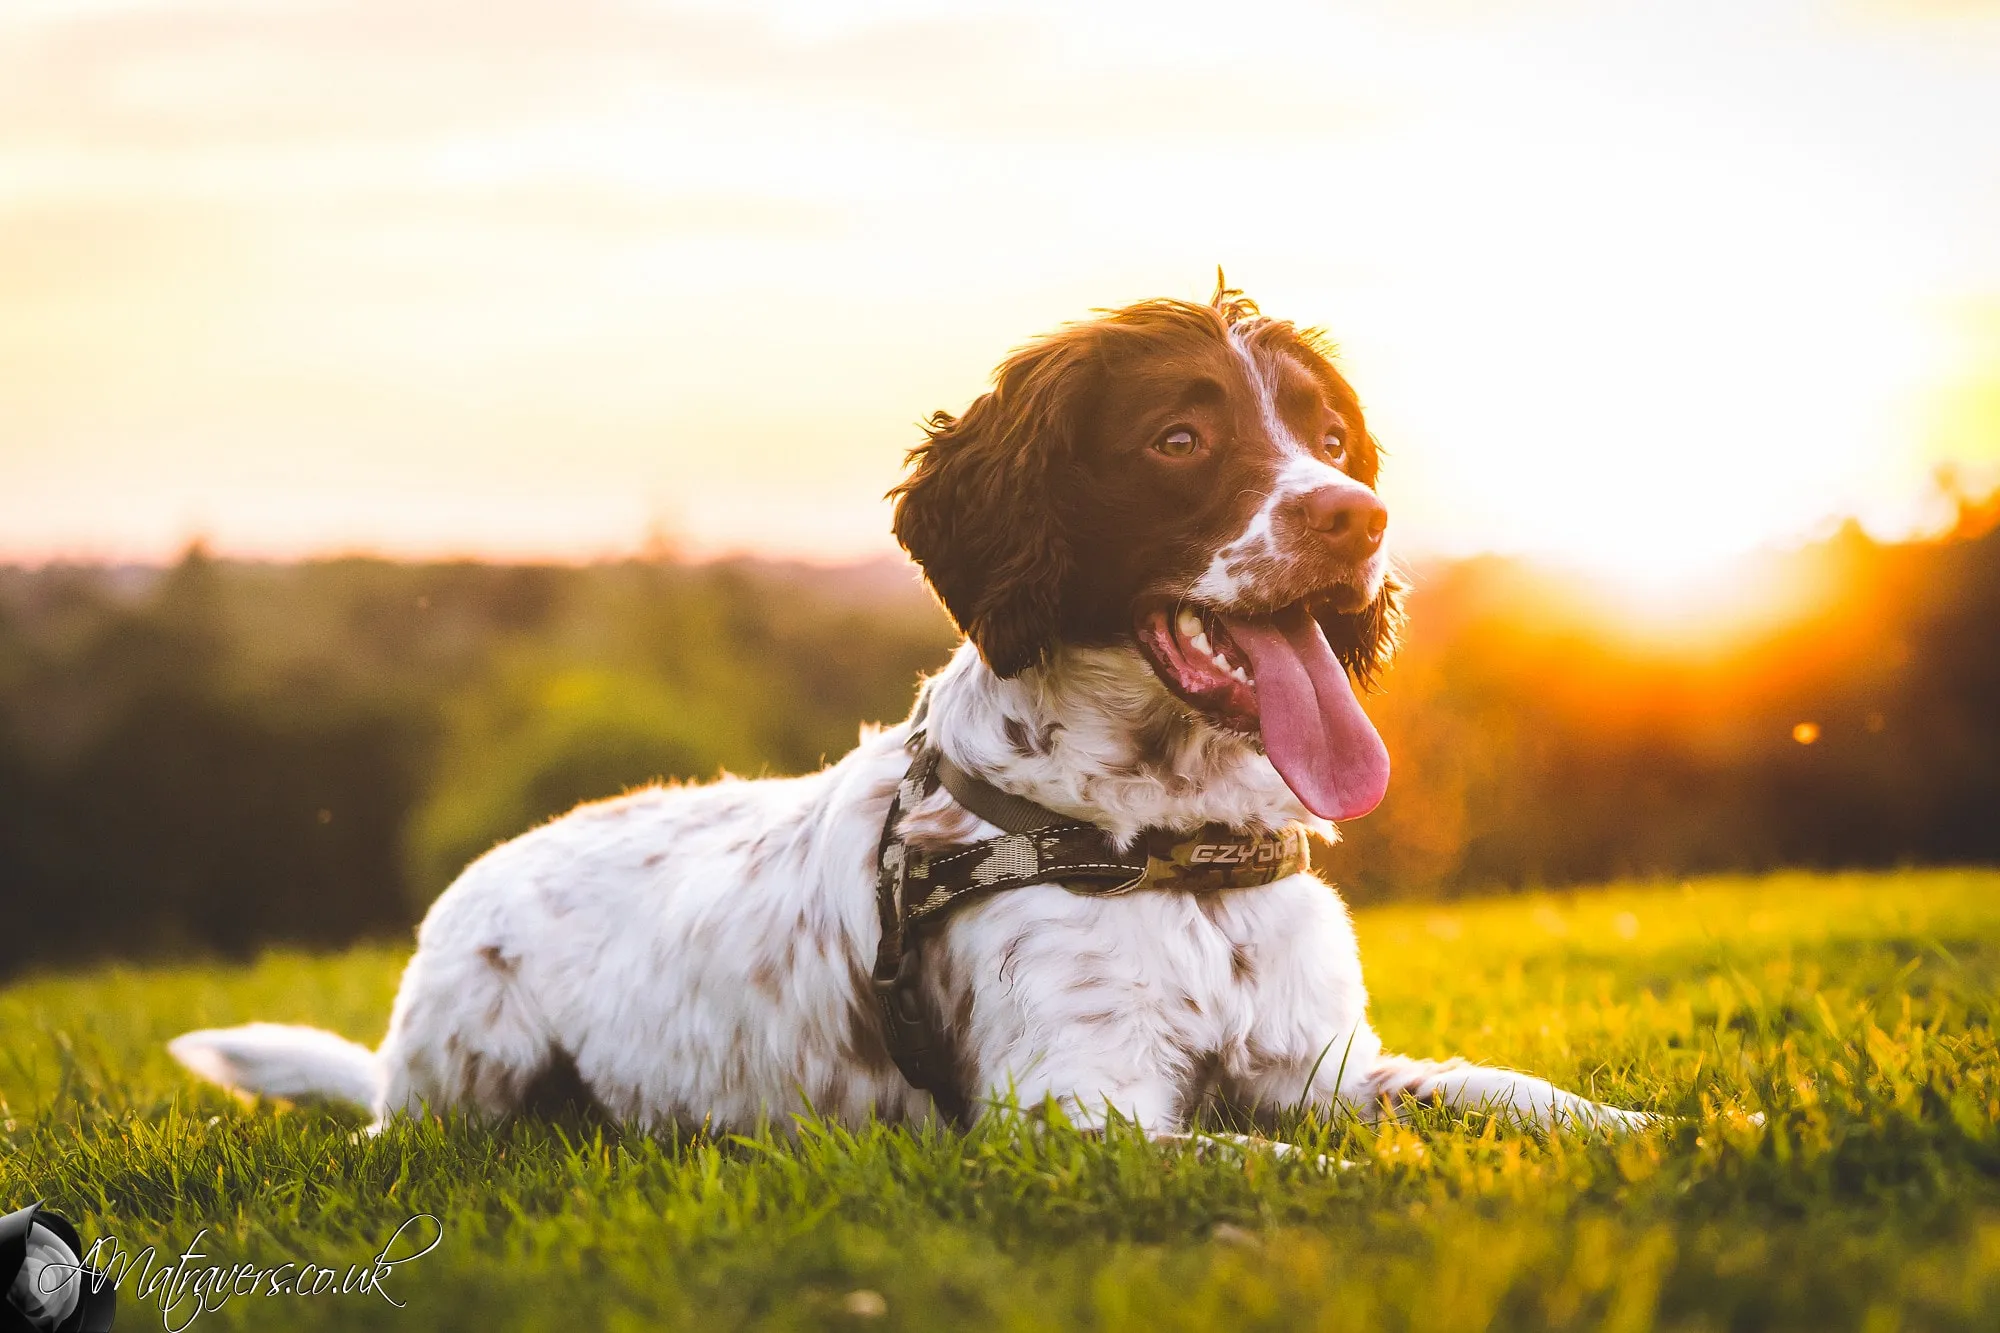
(1002, 809)
(914, 1041)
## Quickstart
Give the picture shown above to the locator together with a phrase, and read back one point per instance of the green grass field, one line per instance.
(1854, 1011)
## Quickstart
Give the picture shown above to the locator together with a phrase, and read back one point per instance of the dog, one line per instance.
(1160, 535)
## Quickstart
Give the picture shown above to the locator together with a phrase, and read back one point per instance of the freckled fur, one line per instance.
(694, 955)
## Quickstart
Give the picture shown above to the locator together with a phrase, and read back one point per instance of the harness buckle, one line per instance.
(905, 1005)
(911, 1037)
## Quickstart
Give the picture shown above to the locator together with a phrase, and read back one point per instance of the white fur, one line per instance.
(1235, 569)
(279, 1060)
(701, 954)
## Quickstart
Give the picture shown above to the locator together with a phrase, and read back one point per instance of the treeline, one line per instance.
(221, 755)
(1834, 706)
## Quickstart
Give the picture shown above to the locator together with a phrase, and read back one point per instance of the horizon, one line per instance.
(1738, 604)
(1627, 292)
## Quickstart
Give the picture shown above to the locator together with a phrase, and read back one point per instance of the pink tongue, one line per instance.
(1320, 741)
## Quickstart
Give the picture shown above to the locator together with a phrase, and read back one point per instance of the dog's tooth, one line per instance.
(1221, 663)
(1190, 625)
(1199, 642)
(1241, 675)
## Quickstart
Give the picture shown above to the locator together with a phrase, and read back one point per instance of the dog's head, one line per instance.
(1193, 481)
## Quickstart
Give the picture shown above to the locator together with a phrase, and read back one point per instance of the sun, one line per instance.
(1650, 442)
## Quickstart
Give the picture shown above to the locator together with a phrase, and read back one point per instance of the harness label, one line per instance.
(1235, 853)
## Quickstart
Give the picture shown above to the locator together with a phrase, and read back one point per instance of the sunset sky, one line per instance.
(1634, 286)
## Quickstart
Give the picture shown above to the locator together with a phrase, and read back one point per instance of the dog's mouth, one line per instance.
(1274, 676)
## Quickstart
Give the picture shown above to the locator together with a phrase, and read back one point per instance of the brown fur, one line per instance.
(1041, 516)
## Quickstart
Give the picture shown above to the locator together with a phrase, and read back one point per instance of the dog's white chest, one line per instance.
(1175, 993)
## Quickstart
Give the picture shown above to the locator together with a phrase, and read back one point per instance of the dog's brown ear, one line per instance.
(982, 511)
(1365, 640)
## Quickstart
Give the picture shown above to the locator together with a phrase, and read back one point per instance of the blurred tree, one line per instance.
(538, 744)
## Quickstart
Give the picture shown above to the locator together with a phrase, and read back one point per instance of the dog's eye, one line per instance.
(1179, 442)
(1336, 444)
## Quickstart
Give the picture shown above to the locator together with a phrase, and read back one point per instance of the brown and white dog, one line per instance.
(1160, 535)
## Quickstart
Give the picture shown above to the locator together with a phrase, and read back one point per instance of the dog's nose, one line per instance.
(1349, 519)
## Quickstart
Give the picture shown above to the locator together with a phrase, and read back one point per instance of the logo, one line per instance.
(1235, 853)
(48, 1286)
(53, 1283)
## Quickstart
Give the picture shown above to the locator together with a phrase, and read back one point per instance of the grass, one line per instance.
(1854, 1011)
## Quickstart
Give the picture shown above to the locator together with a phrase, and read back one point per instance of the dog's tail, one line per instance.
(278, 1060)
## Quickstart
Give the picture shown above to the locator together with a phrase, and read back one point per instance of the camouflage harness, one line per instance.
(916, 889)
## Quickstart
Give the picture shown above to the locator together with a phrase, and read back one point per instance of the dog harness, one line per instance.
(916, 889)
